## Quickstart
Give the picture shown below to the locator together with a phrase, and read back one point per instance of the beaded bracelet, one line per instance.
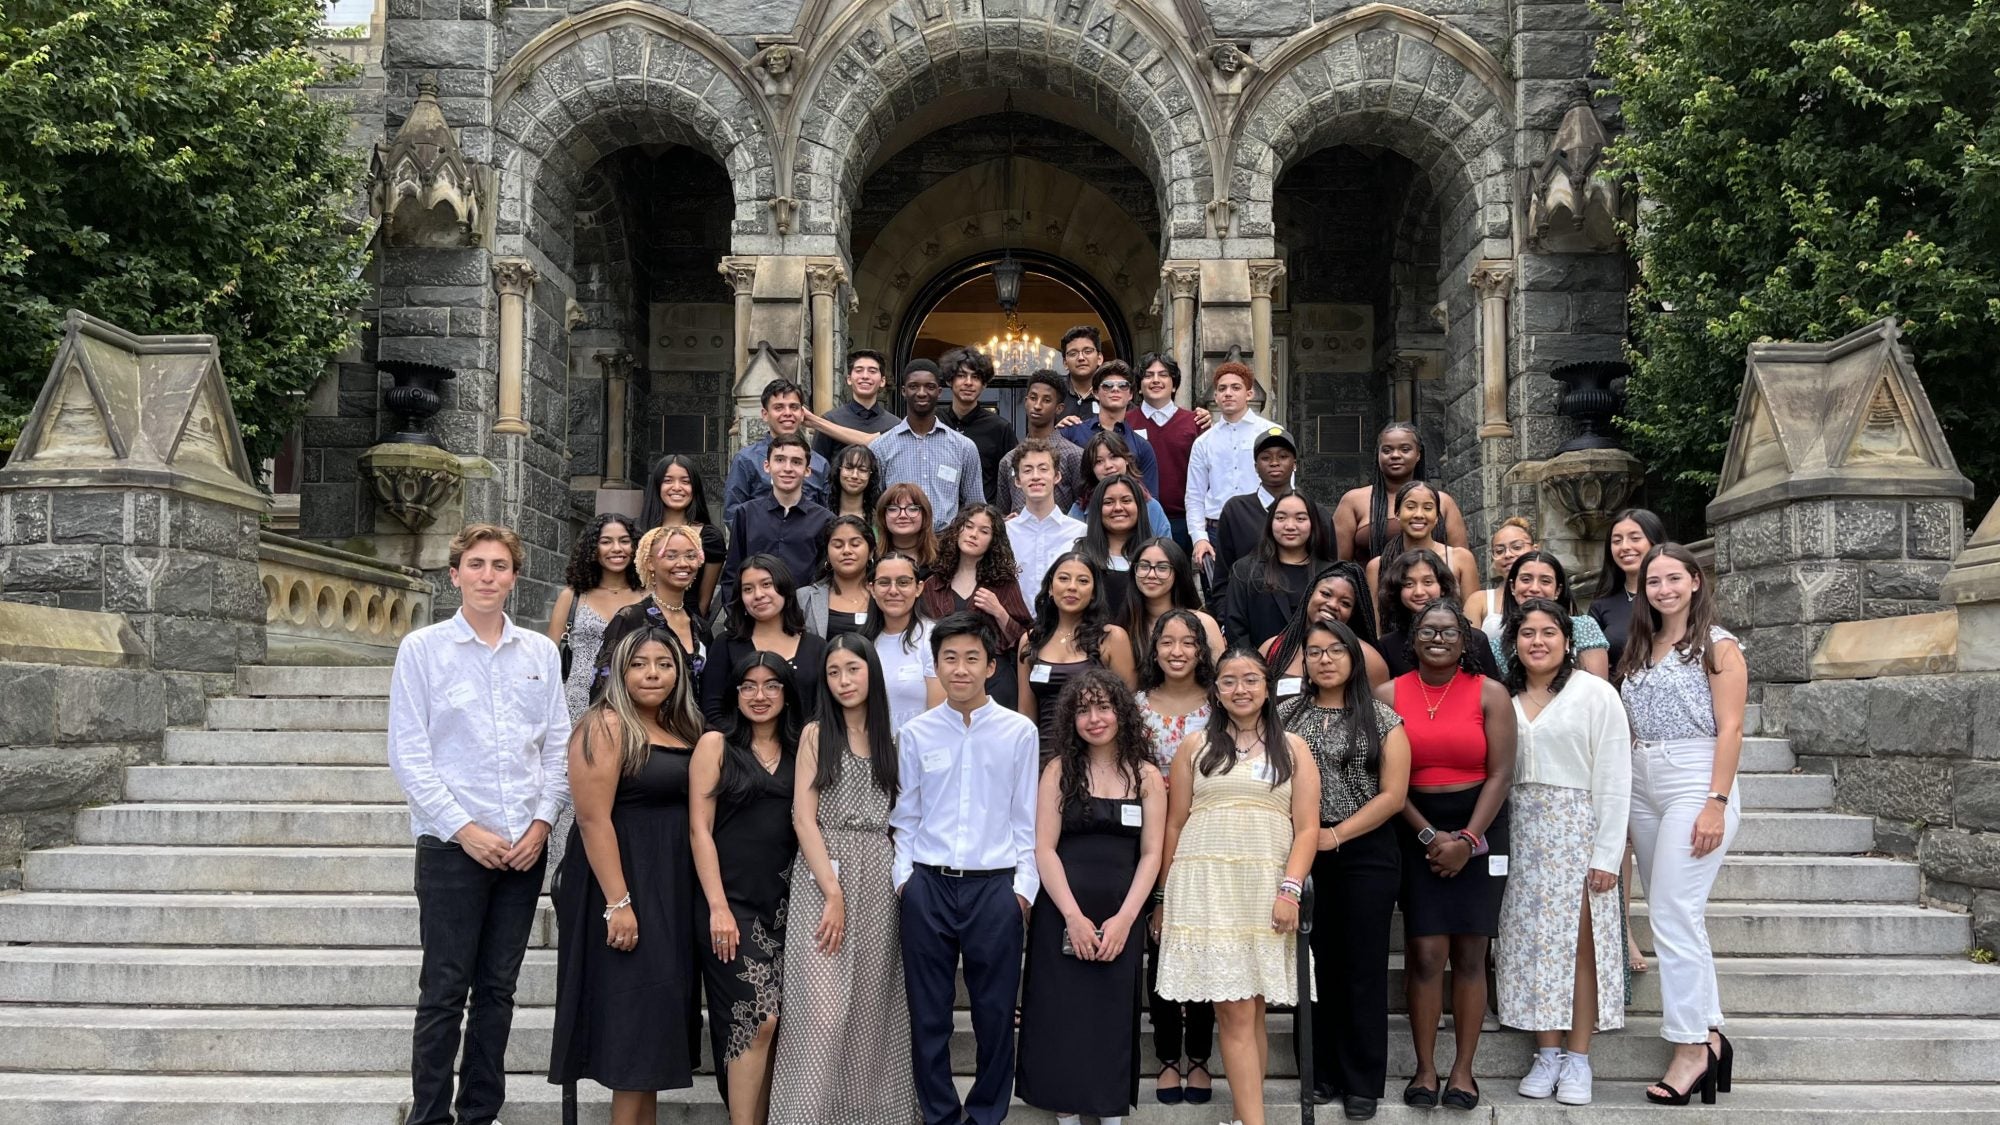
(615, 907)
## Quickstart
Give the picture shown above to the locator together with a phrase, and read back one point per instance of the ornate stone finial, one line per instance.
(1573, 204)
(783, 208)
(776, 66)
(422, 188)
(1221, 213)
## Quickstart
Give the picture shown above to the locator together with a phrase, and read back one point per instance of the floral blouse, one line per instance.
(1671, 699)
(1167, 732)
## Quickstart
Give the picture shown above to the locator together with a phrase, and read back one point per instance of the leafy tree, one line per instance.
(163, 165)
(1809, 166)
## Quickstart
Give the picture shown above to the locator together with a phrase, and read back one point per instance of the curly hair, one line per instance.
(1134, 746)
(1151, 675)
(1516, 677)
(1092, 625)
(1466, 661)
(585, 571)
(651, 543)
(1395, 617)
(997, 566)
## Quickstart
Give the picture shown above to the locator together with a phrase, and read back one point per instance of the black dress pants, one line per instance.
(474, 923)
(944, 918)
(1354, 896)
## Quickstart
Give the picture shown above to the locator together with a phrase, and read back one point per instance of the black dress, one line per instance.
(624, 1020)
(1079, 1041)
(754, 846)
(1047, 690)
(1252, 614)
(718, 702)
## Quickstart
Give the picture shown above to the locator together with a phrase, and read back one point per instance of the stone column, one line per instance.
(823, 281)
(1264, 277)
(1222, 318)
(741, 274)
(515, 279)
(1183, 281)
(1493, 278)
(617, 368)
(1403, 371)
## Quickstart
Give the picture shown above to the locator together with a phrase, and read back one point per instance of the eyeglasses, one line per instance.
(1448, 633)
(760, 687)
(904, 510)
(1231, 683)
(1153, 568)
(1327, 653)
(1114, 385)
(904, 582)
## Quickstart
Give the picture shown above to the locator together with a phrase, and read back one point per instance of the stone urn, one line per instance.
(416, 396)
(1590, 397)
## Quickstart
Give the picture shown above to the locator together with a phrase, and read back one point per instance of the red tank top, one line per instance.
(1449, 749)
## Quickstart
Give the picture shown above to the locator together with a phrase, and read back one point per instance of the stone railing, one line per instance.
(324, 606)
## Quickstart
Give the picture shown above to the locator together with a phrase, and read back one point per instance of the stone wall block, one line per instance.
(1907, 789)
(24, 516)
(41, 778)
(1926, 715)
(1761, 539)
(1780, 654)
(1975, 799)
(1936, 530)
(1869, 529)
(1986, 920)
(1915, 581)
(186, 697)
(1733, 597)
(110, 705)
(29, 715)
(50, 569)
(1986, 720)
(1896, 837)
(87, 517)
(197, 644)
(1827, 717)
(218, 529)
(1972, 858)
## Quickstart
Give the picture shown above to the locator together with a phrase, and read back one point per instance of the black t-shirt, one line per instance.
(1614, 615)
(991, 434)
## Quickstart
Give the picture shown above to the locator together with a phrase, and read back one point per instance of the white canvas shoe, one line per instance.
(1541, 1078)
(1573, 1088)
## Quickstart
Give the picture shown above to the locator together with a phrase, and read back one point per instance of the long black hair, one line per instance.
(1610, 579)
(790, 616)
(1563, 597)
(1356, 697)
(585, 571)
(823, 572)
(1361, 622)
(1182, 593)
(652, 509)
(1220, 755)
(872, 494)
(738, 759)
(1151, 675)
(1399, 543)
(1091, 624)
(1135, 747)
(1096, 541)
(832, 719)
(1466, 661)
(1318, 550)
(875, 626)
(1516, 677)
(1395, 616)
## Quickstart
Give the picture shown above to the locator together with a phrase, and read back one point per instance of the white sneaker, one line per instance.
(1541, 1078)
(1573, 1088)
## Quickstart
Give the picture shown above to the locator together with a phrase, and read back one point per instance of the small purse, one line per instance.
(568, 654)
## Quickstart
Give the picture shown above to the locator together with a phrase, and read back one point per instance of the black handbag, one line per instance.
(568, 654)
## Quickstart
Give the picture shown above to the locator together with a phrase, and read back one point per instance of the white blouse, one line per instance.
(1581, 740)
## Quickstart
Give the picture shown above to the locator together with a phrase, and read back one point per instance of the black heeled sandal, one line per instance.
(1704, 1085)
(1170, 1095)
(1199, 1095)
(1725, 1062)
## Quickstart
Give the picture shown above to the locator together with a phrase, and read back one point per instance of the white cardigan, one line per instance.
(1582, 740)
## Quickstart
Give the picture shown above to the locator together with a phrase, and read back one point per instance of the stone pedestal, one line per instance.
(1974, 587)
(130, 492)
(1576, 496)
(1840, 500)
(421, 502)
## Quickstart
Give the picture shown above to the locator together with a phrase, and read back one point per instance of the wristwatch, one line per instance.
(1426, 836)
(1723, 797)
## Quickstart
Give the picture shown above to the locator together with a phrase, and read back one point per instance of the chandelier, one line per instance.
(1017, 355)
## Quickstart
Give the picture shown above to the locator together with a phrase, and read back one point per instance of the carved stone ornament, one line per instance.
(783, 209)
(422, 188)
(1573, 204)
(412, 482)
(776, 68)
(1183, 281)
(1229, 68)
(1221, 213)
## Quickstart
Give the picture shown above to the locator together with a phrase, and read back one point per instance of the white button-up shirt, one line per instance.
(479, 735)
(968, 797)
(1159, 415)
(1038, 541)
(1221, 465)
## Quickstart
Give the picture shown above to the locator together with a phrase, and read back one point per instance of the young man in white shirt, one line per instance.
(1039, 532)
(478, 739)
(965, 871)
(1221, 463)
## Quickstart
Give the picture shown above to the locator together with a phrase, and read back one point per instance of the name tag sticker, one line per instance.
(1262, 771)
(948, 473)
(1120, 562)
(461, 695)
(836, 867)
(936, 759)
(1141, 433)
(1039, 674)
(909, 672)
(861, 618)
(1496, 865)
(1290, 685)
(1131, 816)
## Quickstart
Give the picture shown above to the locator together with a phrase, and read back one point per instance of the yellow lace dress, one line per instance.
(1216, 941)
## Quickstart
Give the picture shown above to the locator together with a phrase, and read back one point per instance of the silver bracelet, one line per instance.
(622, 904)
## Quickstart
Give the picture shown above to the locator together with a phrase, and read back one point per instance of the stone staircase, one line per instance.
(234, 944)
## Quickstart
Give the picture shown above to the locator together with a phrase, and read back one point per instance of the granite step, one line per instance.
(242, 747)
(298, 714)
(1797, 791)
(1766, 755)
(278, 977)
(141, 867)
(1825, 929)
(302, 681)
(264, 784)
(268, 825)
(1816, 878)
(128, 918)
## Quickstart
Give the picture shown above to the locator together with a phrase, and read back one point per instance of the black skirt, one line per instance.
(1468, 902)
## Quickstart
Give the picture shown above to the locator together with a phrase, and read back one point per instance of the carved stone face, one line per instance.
(1227, 58)
(777, 61)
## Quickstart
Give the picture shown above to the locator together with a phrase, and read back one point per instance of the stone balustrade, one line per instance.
(325, 606)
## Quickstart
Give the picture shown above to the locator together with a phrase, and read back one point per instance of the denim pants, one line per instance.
(474, 923)
(1670, 786)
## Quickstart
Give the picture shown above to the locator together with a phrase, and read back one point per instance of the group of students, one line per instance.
(896, 738)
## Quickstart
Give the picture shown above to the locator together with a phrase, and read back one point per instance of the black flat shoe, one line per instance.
(1198, 1095)
(1170, 1095)
(1323, 1093)
(1359, 1108)
(1421, 1097)
(1455, 1098)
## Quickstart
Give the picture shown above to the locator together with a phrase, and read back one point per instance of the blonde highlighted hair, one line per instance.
(655, 541)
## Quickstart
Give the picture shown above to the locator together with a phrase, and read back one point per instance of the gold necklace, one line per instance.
(1430, 707)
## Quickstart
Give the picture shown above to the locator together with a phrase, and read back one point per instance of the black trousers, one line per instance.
(1354, 895)
(1178, 1028)
(474, 923)
(942, 918)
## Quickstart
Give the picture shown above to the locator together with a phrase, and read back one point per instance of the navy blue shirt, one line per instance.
(763, 526)
(853, 415)
(1142, 450)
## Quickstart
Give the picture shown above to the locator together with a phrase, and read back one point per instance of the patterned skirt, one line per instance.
(1535, 955)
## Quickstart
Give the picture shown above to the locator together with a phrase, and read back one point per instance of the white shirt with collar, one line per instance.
(1221, 465)
(1037, 543)
(478, 734)
(1160, 415)
(968, 796)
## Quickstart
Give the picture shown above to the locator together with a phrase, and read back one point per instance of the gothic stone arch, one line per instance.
(1112, 69)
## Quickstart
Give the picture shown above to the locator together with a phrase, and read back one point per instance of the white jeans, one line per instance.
(1670, 785)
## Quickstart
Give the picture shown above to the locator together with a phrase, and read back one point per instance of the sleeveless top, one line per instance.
(1451, 748)
(1347, 780)
(1167, 732)
(1672, 699)
(586, 636)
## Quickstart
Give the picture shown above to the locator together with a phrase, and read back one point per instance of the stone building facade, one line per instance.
(1384, 208)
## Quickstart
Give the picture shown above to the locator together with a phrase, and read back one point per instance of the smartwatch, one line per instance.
(1426, 836)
